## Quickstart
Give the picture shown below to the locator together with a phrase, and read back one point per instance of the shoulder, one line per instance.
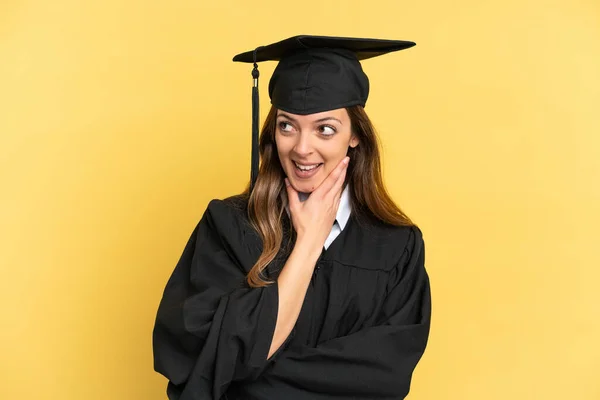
(229, 216)
(408, 239)
(232, 207)
(392, 242)
(226, 220)
(387, 231)
(407, 250)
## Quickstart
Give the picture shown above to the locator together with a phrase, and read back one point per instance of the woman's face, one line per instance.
(311, 146)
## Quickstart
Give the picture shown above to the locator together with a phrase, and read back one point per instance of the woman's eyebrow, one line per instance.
(319, 120)
(286, 116)
(329, 118)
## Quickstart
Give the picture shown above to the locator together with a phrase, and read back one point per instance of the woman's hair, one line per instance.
(368, 195)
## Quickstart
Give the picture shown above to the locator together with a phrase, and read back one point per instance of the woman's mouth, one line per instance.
(304, 171)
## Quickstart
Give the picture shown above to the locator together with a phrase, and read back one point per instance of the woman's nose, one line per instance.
(303, 145)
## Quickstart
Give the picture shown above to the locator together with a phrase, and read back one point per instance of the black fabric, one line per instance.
(254, 167)
(362, 329)
(363, 48)
(316, 80)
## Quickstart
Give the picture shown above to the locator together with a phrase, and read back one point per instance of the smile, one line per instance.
(306, 171)
(302, 167)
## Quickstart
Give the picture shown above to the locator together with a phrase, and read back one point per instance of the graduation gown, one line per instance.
(362, 328)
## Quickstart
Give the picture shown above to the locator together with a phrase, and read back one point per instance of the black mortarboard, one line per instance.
(314, 74)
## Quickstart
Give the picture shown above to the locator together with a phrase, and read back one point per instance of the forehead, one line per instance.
(339, 113)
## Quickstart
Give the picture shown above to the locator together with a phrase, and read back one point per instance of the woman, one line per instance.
(311, 284)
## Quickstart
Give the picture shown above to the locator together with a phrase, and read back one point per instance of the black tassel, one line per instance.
(255, 117)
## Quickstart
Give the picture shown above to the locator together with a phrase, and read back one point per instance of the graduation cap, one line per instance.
(314, 74)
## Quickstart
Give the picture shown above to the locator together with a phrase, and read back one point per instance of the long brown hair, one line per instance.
(368, 195)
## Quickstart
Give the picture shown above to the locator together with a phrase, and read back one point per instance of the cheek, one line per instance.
(333, 155)
(278, 145)
(283, 151)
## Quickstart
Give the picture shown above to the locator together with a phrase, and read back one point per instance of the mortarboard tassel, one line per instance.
(255, 116)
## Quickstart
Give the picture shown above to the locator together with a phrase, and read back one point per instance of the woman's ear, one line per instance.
(353, 141)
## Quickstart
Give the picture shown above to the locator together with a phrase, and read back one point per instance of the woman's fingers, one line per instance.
(330, 182)
(316, 215)
(292, 195)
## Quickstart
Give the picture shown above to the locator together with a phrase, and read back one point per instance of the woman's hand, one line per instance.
(313, 218)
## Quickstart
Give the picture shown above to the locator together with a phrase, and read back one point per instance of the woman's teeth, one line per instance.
(306, 167)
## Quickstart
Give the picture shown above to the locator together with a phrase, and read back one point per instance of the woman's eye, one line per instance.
(327, 130)
(285, 126)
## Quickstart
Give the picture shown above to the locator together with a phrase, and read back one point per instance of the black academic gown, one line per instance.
(362, 329)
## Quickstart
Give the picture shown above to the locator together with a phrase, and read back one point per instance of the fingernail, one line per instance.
(287, 183)
(346, 160)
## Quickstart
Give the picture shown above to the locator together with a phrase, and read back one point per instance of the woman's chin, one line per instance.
(307, 186)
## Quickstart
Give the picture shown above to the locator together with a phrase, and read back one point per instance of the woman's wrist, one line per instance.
(309, 247)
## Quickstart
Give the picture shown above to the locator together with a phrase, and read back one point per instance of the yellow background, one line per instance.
(121, 119)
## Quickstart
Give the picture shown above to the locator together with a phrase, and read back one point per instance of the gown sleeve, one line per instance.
(376, 362)
(211, 329)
